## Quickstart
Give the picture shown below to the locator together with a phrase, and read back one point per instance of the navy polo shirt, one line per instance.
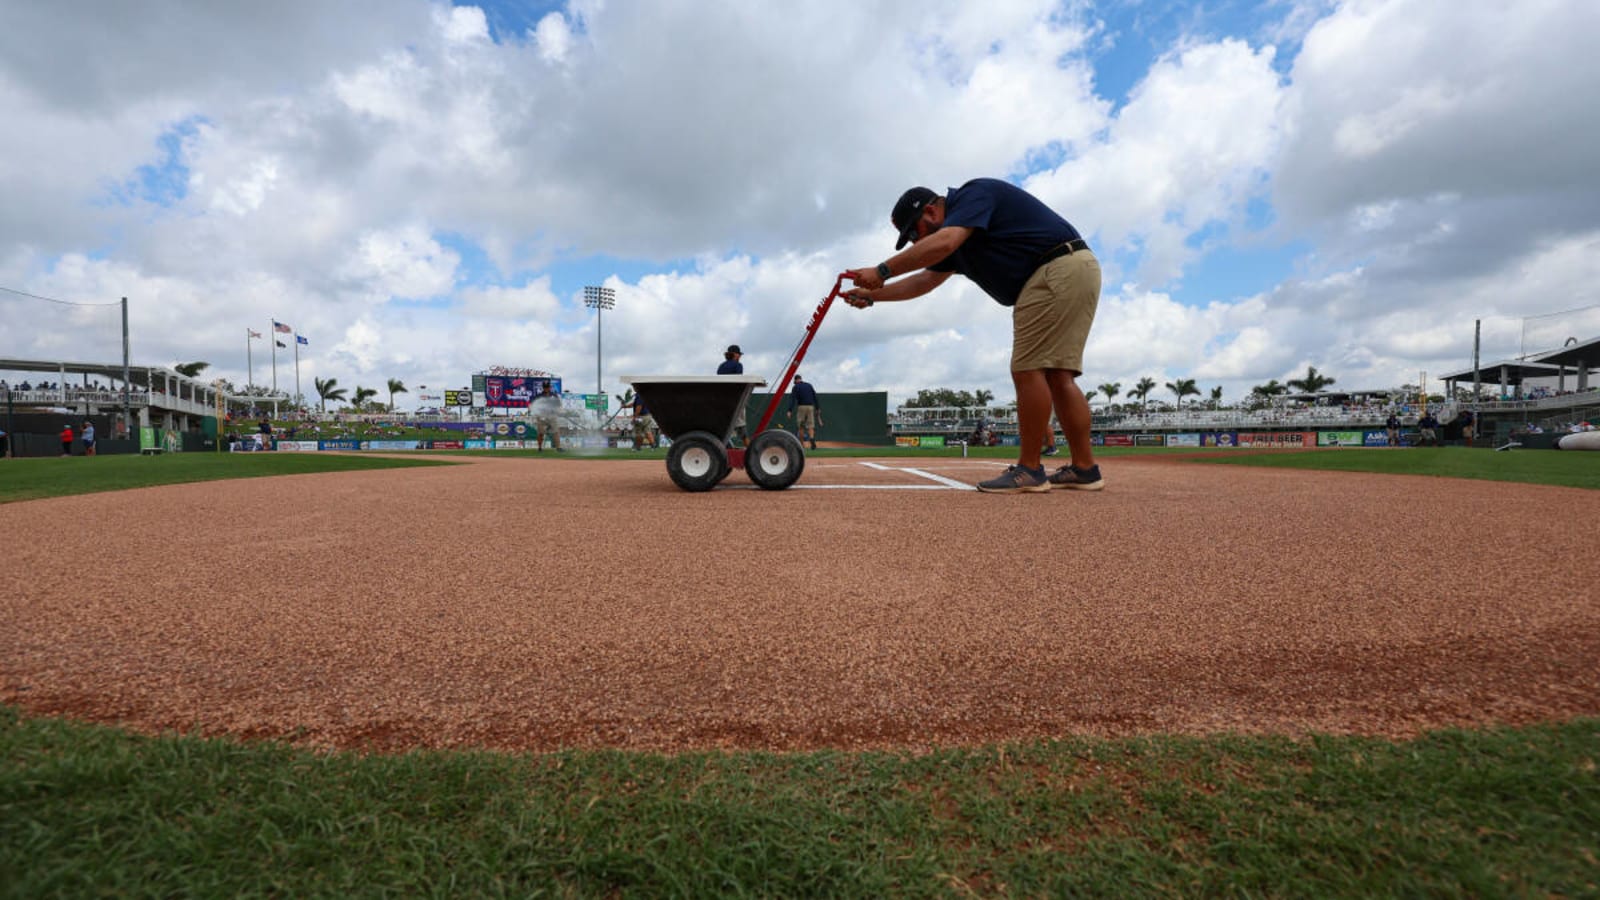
(1011, 228)
(804, 395)
(730, 367)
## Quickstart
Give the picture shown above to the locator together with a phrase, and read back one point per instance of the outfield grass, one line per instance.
(90, 810)
(33, 479)
(1530, 466)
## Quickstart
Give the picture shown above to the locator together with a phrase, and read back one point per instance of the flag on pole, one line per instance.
(300, 339)
(281, 344)
(254, 334)
(281, 328)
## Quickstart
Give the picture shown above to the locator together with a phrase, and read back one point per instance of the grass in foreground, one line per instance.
(1578, 469)
(33, 479)
(93, 810)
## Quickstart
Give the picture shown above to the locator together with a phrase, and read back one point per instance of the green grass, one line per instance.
(89, 810)
(34, 478)
(1530, 466)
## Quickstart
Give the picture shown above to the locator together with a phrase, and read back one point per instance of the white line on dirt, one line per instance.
(948, 482)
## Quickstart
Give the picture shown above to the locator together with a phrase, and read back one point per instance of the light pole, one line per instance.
(598, 299)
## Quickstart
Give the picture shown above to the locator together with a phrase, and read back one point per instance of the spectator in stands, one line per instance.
(1467, 420)
(88, 438)
(66, 440)
(806, 410)
(546, 417)
(1429, 426)
(1392, 424)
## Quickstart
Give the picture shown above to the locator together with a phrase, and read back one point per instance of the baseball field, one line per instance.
(1341, 672)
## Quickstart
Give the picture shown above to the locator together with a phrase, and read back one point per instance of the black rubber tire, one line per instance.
(775, 459)
(697, 461)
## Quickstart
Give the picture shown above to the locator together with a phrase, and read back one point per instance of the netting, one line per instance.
(33, 327)
(1552, 331)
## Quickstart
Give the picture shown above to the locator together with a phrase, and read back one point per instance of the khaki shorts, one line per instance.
(1050, 323)
(549, 429)
(642, 426)
(805, 418)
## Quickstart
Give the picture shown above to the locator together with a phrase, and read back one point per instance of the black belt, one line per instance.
(1060, 250)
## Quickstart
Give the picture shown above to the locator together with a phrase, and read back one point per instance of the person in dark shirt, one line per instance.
(1428, 425)
(805, 410)
(1467, 420)
(731, 365)
(1393, 425)
(1027, 257)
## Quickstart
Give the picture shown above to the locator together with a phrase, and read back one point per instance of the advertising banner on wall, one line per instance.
(1375, 438)
(297, 446)
(1149, 440)
(338, 445)
(1339, 439)
(907, 440)
(1183, 440)
(457, 398)
(449, 445)
(1219, 439)
(1276, 440)
(930, 440)
(391, 445)
(1119, 440)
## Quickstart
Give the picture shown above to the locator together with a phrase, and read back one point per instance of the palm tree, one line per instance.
(1142, 391)
(1216, 397)
(1269, 390)
(1110, 391)
(191, 369)
(1313, 382)
(361, 396)
(1088, 396)
(1183, 387)
(396, 386)
(983, 397)
(328, 389)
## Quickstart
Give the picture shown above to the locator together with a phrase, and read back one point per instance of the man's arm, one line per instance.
(919, 255)
(907, 288)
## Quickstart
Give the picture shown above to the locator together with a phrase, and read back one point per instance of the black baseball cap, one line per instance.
(734, 348)
(907, 211)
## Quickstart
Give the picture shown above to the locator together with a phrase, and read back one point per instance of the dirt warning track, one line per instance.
(546, 603)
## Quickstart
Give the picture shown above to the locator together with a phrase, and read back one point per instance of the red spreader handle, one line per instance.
(800, 353)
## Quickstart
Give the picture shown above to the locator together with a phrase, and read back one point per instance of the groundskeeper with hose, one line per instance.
(1029, 258)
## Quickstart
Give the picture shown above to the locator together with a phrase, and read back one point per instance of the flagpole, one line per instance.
(297, 368)
(274, 332)
(249, 363)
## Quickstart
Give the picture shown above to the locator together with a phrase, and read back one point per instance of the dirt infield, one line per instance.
(547, 603)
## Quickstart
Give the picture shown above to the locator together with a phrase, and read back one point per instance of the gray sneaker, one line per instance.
(1015, 480)
(1074, 478)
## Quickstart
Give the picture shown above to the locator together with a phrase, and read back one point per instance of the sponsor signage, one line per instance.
(507, 444)
(1010, 440)
(457, 398)
(1219, 439)
(390, 445)
(1339, 439)
(907, 440)
(1149, 440)
(515, 391)
(1375, 438)
(297, 446)
(1119, 440)
(449, 445)
(338, 445)
(601, 402)
(1276, 440)
(1183, 440)
(1097, 440)
(476, 445)
(930, 440)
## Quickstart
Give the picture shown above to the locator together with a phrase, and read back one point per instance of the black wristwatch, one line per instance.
(883, 271)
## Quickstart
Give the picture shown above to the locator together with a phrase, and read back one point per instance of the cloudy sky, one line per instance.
(423, 190)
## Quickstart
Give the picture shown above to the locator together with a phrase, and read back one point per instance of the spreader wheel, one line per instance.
(697, 461)
(775, 459)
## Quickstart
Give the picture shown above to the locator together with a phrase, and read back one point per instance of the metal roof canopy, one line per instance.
(1585, 355)
(1507, 371)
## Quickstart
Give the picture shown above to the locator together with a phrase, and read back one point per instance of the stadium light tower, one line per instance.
(598, 299)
